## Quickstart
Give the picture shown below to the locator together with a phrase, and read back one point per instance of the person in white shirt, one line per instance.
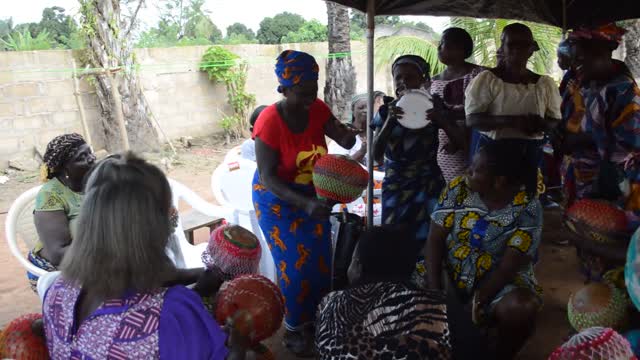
(358, 120)
(248, 147)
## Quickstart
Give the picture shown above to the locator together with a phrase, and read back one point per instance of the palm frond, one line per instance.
(391, 47)
(486, 35)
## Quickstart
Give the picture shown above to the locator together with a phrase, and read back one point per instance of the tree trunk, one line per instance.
(632, 47)
(340, 82)
(109, 46)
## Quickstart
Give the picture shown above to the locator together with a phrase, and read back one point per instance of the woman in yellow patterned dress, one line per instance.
(487, 230)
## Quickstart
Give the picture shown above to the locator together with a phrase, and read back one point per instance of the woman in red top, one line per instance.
(290, 138)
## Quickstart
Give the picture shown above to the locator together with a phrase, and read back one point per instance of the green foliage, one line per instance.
(486, 35)
(358, 19)
(55, 30)
(311, 31)
(26, 42)
(182, 23)
(391, 47)
(272, 30)
(6, 27)
(237, 39)
(218, 63)
(59, 25)
(223, 66)
(239, 29)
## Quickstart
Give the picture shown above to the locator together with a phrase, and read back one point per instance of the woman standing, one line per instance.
(601, 138)
(511, 102)
(290, 138)
(412, 179)
(67, 160)
(455, 47)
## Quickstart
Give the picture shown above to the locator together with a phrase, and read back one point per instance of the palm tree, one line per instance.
(390, 47)
(486, 37)
(340, 82)
(632, 46)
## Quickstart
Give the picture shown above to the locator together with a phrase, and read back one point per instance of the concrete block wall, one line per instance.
(37, 101)
(37, 95)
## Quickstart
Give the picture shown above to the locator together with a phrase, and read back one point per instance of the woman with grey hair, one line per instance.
(112, 299)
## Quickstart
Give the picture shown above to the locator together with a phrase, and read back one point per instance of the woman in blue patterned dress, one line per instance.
(413, 178)
(487, 229)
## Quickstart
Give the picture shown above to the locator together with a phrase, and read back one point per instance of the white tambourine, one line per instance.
(415, 104)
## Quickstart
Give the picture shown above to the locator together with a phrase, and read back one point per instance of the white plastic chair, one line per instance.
(231, 186)
(184, 254)
(233, 155)
(19, 225)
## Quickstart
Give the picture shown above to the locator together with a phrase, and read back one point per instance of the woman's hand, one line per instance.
(240, 333)
(209, 282)
(529, 124)
(395, 113)
(436, 114)
(317, 208)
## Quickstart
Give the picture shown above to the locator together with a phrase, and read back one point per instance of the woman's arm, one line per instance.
(435, 254)
(344, 135)
(53, 232)
(382, 136)
(458, 135)
(267, 160)
(486, 122)
(512, 262)
(361, 153)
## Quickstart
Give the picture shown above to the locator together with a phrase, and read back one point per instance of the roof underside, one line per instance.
(578, 12)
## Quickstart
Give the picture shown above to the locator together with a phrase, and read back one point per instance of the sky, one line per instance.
(223, 12)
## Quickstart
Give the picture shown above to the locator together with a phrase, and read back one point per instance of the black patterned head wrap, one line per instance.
(59, 151)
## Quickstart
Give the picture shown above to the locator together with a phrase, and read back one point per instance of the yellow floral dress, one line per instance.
(478, 238)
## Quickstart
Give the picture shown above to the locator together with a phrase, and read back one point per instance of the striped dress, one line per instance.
(385, 320)
(452, 92)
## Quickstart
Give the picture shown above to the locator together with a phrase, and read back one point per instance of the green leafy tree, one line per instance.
(272, 30)
(59, 25)
(6, 27)
(240, 29)
(198, 25)
(311, 31)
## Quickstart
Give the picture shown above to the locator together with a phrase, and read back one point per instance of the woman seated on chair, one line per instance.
(115, 273)
(487, 228)
(383, 315)
(67, 160)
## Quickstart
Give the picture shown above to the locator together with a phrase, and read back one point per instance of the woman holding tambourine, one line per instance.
(407, 139)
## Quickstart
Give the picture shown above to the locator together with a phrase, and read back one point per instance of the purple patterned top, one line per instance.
(170, 323)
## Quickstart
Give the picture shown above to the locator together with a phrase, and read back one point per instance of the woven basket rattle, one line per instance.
(234, 250)
(598, 304)
(257, 300)
(339, 178)
(19, 342)
(598, 221)
(595, 343)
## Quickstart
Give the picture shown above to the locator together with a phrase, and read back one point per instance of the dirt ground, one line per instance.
(556, 271)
